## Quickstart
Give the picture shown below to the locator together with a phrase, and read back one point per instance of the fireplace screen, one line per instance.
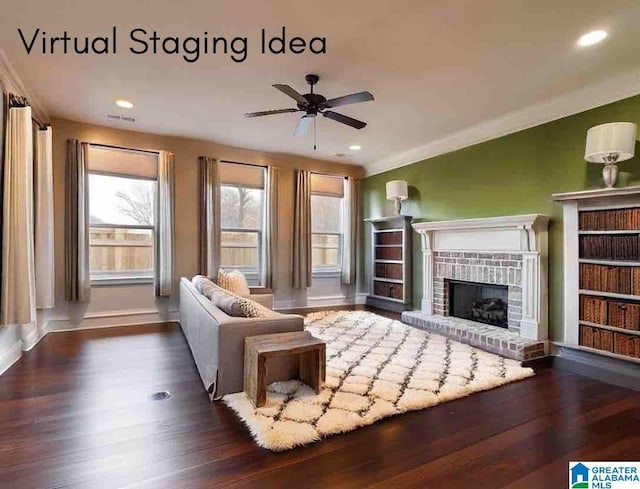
(484, 303)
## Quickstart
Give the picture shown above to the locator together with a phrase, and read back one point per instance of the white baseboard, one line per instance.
(90, 321)
(330, 301)
(11, 356)
(30, 340)
(361, 298)
(112, 320)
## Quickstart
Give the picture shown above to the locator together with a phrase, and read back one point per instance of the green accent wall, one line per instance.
(514, 174)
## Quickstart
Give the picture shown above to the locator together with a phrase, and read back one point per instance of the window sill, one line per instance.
(260, 290)
(326, 273)
(114, 281)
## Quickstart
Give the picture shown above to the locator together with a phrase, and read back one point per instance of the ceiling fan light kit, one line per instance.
(313, 104)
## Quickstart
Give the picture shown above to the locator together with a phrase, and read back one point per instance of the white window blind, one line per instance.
(242, 175)
(130, 163)
(328, 185)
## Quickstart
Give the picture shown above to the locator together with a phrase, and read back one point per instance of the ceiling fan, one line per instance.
(314, 104)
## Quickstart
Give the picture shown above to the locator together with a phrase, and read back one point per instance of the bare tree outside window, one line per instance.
(326, 231)
(121, 227)
(241, 207)
(137, 203)
(242, 213)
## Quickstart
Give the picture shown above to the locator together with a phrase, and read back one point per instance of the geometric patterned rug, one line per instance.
(376, 368)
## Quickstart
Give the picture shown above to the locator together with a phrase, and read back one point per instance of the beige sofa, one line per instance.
(216, 341)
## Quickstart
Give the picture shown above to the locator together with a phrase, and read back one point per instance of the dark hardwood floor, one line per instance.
(75, 412)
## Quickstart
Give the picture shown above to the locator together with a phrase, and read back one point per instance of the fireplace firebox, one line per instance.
(484, 303)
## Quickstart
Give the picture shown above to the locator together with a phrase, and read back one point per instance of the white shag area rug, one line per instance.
(376, 367)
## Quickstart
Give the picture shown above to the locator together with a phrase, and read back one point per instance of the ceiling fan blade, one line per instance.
(295, 95)
(354, 98)
(270, 112)
(303, 125)
(349, 121)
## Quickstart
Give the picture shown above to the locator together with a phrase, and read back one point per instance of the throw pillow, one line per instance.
(251, 309)
(204, 285)
(234, 282)
(227, 303)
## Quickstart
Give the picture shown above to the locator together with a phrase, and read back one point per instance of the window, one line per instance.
(327, 203)
(122, 215)
(242, 219)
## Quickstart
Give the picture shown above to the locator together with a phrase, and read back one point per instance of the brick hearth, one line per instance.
(490, 338)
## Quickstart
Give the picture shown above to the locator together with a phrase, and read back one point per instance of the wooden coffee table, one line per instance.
(258, 349)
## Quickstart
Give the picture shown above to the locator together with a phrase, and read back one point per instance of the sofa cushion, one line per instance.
(234, 281)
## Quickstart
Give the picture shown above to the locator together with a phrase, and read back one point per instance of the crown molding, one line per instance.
(12, 82)
(610, 90)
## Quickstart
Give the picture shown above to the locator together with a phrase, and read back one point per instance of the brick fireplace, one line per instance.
(481, 268)
(510, 252)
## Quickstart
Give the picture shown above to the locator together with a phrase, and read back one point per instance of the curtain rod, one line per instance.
(18, 101)
(241, 163)
(123, 148)
(334, 175)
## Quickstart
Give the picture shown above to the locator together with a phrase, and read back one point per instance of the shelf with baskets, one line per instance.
(390, 270)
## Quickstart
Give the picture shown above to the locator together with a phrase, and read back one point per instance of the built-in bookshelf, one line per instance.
(390, 270)
(602, 271)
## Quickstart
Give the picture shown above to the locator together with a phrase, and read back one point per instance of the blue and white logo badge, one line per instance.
(604, 475)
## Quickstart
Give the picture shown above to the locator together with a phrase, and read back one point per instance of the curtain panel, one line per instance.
(18, 302)
(302, 231)
(77, 280)
(273, 182)
(209, 216)
(44, 233)
(351, 231)
(165, 225)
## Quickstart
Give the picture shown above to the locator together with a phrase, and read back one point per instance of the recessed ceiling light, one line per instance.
(355, 147)
(125, 104)
(591, 38)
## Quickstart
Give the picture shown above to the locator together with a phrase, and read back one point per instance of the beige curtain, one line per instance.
(302, 231)
(273, 180)
(164, 229)
(209, 216)
(77, 281)
(44, 254)
(18, 274)
(351, 236)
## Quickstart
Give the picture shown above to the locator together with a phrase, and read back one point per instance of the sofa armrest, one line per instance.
(231, 348)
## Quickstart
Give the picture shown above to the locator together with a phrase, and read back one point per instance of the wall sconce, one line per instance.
(398, 191)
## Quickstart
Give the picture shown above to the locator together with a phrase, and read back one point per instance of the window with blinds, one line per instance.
(242, 195)
(327, 222)
(122, 214)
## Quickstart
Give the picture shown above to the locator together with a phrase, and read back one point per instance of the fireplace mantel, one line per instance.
(504, 233)
(485, 250)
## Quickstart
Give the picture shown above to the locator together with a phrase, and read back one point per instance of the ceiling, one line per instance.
(436, 67)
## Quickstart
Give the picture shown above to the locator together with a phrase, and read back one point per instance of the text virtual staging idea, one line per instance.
(190, 48)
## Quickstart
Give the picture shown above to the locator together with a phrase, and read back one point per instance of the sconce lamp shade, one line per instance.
(615, 138)
(397, 189)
